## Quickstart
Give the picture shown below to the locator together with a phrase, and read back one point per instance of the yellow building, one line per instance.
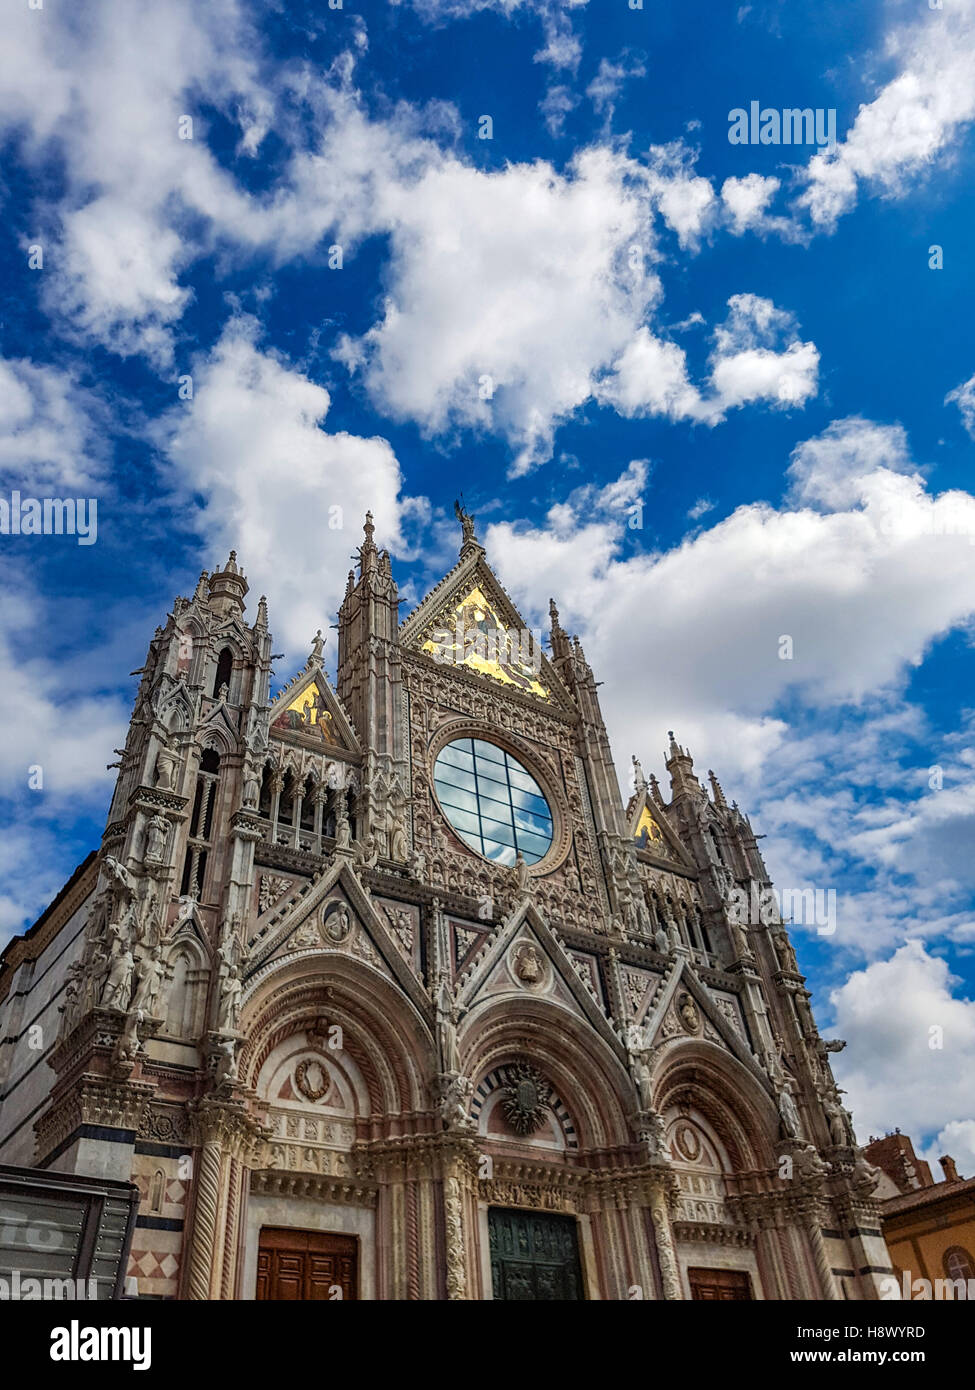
(929, 1226)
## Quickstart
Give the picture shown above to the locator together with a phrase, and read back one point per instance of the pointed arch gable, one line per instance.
(588, 1077)
(699, 1072)
(392, 1044)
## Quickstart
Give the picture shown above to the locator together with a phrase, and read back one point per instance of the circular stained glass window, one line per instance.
(494, 804)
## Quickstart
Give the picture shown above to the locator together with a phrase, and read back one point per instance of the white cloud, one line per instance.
(864, 582)
(964, 397)
(288, 495)
(106, 90)
(913, 119)
(747, 200)
(555, 106)
(515, 282)
(957, 1141)
(606, 86)
(889, 1014)
(748, 364)
(685, 200)
(50, 428)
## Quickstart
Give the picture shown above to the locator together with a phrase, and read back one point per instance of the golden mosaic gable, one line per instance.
(478, 639)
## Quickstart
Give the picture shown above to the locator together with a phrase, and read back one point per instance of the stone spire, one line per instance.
(717, 791)
(227, 588)
(680, 765)
(561, 647)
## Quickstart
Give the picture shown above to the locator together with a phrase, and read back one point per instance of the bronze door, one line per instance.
(534, 1257)
(308, 1266)
(724, 1285)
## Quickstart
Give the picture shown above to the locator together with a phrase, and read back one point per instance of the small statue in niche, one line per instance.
(229, 1008)
(156, 838)
(688, 1013)
(338, 925)
(166, 762)
(399, 849)
(447, 1027)
(519, 871)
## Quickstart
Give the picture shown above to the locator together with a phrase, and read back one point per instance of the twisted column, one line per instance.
(823, 1268)
(205, 1220)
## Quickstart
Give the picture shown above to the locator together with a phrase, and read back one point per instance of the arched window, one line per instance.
(264, 805)
(958, 1264)
(225, 669)
(156, 1190)
(308, 804)
(201, 825)
(187, 995)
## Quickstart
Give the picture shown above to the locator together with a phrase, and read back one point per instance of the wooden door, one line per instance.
(308, 1266)
(725, 1285)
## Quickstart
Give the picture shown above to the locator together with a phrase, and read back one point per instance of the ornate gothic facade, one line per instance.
(380, 991)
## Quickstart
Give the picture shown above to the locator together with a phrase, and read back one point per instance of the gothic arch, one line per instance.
(390, 1044)
(700, 1074)
(588, 1078)
(188, 971)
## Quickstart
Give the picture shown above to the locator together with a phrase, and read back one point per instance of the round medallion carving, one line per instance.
(336, 923)
(528, 965)
(688, 1014)
(311, 1078)
(688, 1143)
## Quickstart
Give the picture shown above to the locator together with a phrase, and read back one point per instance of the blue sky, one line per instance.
(606, 312)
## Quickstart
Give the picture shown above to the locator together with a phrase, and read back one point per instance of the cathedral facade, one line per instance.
(380, 991)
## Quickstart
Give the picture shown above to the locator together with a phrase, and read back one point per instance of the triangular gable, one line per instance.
(503, 955)
(650, 828)
(308, 712)
(282, 930)
(469, 620)
(665, 1021)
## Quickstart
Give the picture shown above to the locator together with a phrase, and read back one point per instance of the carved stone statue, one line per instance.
(166, 763)
(225, 1062)
(466, 522)
(398, 847)
(156, 838)
(118, 986)
(809, 1165)
(343, 831)
(118, 874)
(128, 1046)
(454, 1101)
(519, 871)
(788, 1113)
(73, 994)
(840, 1125)
(447, 1027)
(688, 1013)
(529, 966)
(252, 788)
(148, 979)
(229, 1009)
